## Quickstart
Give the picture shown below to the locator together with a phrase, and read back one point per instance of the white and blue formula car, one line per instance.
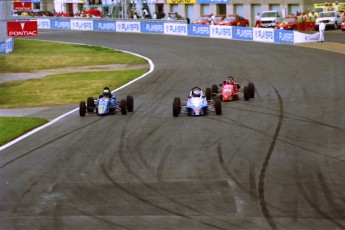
(197, 104)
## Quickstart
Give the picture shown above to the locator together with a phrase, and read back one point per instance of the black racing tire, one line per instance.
(246, 93)
(123, 107)
(176, 106)
(218, 105)
(251, 89)
(130, 103)
(90, 104)
(208, 94)
(214, 89)
(82, 108)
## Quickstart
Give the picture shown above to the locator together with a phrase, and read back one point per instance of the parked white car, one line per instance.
(270, 18)
(331, 19)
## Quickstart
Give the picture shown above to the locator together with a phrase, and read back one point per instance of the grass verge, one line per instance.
(30, 55)
(62, 89)
(13, 127)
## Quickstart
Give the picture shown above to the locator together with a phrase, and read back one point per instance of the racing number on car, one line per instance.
(101, 108)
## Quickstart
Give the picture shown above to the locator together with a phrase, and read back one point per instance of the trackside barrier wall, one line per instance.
(177, 28)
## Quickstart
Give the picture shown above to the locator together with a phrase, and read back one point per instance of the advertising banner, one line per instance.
(302, 38)
(263, 35)
(22, 28)
(81, 25)
(152, 27)
(104, 25)
(22, 6)
(242, 33)
(60, 24)
(181, 1)
(221, 32)
(284, 36)
(43, 23)
(199, 30)
(175, 29)
(130, 27)
(7, 46)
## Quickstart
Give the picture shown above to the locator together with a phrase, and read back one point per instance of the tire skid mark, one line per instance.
(312, 204)
(106, 173)
(252, 182)
(261, 189)
(234, 122)
(124, 161)
(47, 143)
(327, 192)
(162, 162)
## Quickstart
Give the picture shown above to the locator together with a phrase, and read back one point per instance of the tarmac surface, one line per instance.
(274, 162)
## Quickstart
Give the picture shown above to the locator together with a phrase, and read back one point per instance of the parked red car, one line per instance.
(233, 20)
(342, 27)
(203, 20)
(289, 23)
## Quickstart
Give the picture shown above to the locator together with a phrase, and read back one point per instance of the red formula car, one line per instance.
(289, 23)
(230, 90)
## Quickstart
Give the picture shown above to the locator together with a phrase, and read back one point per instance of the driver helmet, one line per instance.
(229, 80)
(196, 93)
(106, 92)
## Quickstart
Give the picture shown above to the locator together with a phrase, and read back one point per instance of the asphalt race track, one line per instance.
(274, 162)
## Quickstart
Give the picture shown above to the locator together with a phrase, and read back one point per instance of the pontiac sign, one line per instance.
(22, 28)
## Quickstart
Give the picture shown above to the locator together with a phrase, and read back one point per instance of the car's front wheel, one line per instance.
(82, 108)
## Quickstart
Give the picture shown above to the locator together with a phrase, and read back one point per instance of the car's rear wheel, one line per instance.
(82, 108)
(90, 104)
(176, 106)
(251, 90)
(123, 107)
(208, 94)
(130, 103)
(246, 93)
(218, 105)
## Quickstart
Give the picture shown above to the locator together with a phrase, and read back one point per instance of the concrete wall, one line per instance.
(5, 15)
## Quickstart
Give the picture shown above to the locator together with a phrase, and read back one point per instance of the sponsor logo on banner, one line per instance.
(43, 23)
(303, 38)
(199, 30)
(181, 1)
(22, 6)
(263, 35)
(242, 33)
(104, 25)
(221, 32)
(6, 46)
(213, 1)
(152, 27)
(133, 27)
(81, 25)
(60, 24)
(284, 36)
(175, 29)
(22, 28)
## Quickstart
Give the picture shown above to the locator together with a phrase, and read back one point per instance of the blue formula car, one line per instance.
(197, 104)
(105, 104)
